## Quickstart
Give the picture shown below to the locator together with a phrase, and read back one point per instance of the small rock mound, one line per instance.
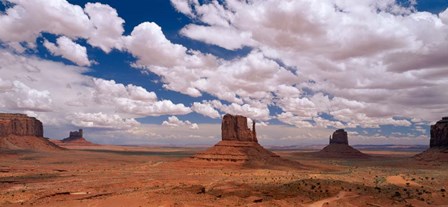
(339, 148)
(20, 132)
(239, 145)
(438, 143)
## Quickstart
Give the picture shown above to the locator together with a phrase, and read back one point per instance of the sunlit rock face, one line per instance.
(234, 128)
(20, 125)
(21, 132)
(239, 145)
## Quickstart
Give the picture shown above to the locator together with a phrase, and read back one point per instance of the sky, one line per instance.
(164, 72)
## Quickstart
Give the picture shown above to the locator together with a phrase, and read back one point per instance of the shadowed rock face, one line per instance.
(339, 137)
(76, 134)
(439, 134)
(339, 148)
(20, 125)
(75, 138)
(234, 128)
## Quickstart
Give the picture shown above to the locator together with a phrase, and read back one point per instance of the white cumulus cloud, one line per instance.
(101, 120)
(68, 49)
(173, 121)
(205, 109)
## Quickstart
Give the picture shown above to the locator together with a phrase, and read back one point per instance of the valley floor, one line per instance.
(140, 176)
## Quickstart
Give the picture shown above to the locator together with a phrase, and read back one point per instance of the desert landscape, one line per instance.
(235, 172)
(173, 103)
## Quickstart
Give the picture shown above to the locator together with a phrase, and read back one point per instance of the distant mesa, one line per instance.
(240, 145)
(338, 147)
(76, 138)
(438, 143)
(21, 132)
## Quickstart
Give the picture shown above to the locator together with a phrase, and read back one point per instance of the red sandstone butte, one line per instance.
(240, 145)
(438, 143)
(339, 148)
(20, 132)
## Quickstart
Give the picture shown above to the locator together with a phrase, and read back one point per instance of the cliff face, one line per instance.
(20, 132)
(20, 125)
(239, 146)
(439, 134)
(339, 137)
(234, 128)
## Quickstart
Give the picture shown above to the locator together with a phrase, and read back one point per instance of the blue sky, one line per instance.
(155, 72)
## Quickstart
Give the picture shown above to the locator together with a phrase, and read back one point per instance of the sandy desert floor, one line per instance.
(140, 176)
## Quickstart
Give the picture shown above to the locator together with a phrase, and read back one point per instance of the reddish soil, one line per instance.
(72, 142)
(241, 153)
(436, 154)
(140, 176)
(13, 142)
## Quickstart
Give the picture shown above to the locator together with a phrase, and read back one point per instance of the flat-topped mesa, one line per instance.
(339, 137)
(20, 125)
(234, 128)
(21, 132)
(439, 134)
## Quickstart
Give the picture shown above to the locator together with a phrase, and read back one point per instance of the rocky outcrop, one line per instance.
(75, 139)
(76, 134)
(20, 132)
(438, 143)
(20, 125)
(339, 137)
(339, 148)
(439, 134)
(234, 128)
(239, 146)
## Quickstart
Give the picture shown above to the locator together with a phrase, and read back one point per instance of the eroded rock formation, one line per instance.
(20, 125)
(439, 134)
(20, 132)
(239, 145)
(234, 128)
(438, 143)
(339, 137)
(76, 138)
(339, 148)
(76, 134)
